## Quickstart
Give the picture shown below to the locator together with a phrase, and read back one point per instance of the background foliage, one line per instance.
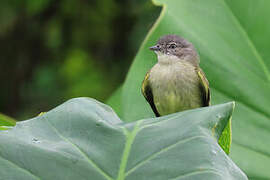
(52, 51)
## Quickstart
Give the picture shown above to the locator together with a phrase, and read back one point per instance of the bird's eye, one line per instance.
(172, 46)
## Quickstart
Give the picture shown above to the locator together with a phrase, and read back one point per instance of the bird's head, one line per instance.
(171, 48)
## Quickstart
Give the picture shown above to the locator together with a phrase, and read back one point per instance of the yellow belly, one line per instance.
(170, 102)
(175, 88)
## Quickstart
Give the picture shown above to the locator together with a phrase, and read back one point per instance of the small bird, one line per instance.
(176, 82)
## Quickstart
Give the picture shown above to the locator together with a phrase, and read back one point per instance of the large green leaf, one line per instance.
(84, 139)
(6, 120)
(115, 101)
(232, 40)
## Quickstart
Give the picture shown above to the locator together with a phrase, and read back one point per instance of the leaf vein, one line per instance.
(254, 108)
(213, 171)
(22, 169)
(147, 159)
(250, 42)
(91, 162)
(252, 149)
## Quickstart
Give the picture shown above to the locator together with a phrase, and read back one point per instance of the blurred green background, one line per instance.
(52, 51)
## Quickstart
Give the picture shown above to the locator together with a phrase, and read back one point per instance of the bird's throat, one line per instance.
(167, 58)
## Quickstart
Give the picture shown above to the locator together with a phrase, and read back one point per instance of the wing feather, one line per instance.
(204, 87)
(147, 93)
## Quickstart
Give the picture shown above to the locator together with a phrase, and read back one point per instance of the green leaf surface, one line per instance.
(232, 40)
(84, 139)
(3, 128)
(115, 102)
(6, 120)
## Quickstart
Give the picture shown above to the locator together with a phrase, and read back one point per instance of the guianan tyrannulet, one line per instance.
(176, 82)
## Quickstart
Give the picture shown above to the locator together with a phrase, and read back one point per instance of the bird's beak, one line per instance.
(155, 48)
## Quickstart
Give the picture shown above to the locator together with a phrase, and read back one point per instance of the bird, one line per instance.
(176, 82)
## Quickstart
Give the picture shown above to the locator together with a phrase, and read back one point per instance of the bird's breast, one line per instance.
(175, 87)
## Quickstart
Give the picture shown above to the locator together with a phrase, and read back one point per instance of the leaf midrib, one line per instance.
(130, 136)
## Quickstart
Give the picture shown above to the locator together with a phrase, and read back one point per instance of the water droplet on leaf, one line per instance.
(214, 152)
(219, 116)
(35, 140)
